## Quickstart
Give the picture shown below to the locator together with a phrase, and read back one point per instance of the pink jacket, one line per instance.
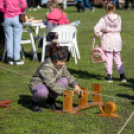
(63, 20)
(56, 16)
(11, 8)
(109, 28)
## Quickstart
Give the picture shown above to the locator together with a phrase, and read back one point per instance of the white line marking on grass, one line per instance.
(126, 123)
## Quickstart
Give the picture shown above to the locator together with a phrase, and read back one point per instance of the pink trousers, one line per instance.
(109, 62)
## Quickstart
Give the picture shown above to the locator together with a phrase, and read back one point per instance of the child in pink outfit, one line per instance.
(56, 16)
(108, 28)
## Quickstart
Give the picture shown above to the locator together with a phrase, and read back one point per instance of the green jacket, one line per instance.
(48, 74)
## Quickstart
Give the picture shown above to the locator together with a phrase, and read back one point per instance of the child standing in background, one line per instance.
(109, 28)
(79, 6)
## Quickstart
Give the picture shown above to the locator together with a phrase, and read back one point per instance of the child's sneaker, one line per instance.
(34, 9)
(50, 103)
(18, 62)
(35, 107)
(10, 61)
(38, 7)
(109, 79)
(93, 9)
(122, 78)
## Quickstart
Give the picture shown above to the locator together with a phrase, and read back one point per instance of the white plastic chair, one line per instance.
(66, 37)
(38, 28)
(25, 41)
(75, 23)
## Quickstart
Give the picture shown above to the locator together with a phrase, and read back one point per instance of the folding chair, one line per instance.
(37, 32)
(25, 41)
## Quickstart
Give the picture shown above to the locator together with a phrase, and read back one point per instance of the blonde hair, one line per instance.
(109, 6)
(54, 4)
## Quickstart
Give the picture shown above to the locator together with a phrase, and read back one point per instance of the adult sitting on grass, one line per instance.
(51, 78)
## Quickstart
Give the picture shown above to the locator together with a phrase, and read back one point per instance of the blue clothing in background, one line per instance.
(13, 32)
(86, 2)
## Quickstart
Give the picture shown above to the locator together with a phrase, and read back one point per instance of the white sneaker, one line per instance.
(29, 9)
(93, 9)
(38, 7)
(34, 9)
(19, 62)
(10, 61)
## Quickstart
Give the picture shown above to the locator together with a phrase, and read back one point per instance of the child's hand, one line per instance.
(77, 87)
(78, 90)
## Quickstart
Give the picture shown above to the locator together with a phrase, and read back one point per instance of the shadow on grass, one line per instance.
(25, 101)
(127, 97)
(28, 55)
(84, 74)
(129, 84)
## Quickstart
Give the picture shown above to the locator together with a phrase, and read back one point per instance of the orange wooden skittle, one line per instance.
(4, 103)
(82, 100)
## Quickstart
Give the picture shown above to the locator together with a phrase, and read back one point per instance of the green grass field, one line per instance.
(19, 119)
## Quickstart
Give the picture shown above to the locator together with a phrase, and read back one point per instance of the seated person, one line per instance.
(51, 78)
(56, 16)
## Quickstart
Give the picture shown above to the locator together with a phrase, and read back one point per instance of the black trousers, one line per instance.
(127, 3)
(2, 34)
(79, 6)
(38, 2)
(31, 3)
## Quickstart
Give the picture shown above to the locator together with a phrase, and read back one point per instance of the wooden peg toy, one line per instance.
(82, 100)
(108, 110)
(4, 103)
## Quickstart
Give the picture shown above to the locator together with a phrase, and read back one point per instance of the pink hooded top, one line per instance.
(109, 28)
(56, 16)
(11, 8)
